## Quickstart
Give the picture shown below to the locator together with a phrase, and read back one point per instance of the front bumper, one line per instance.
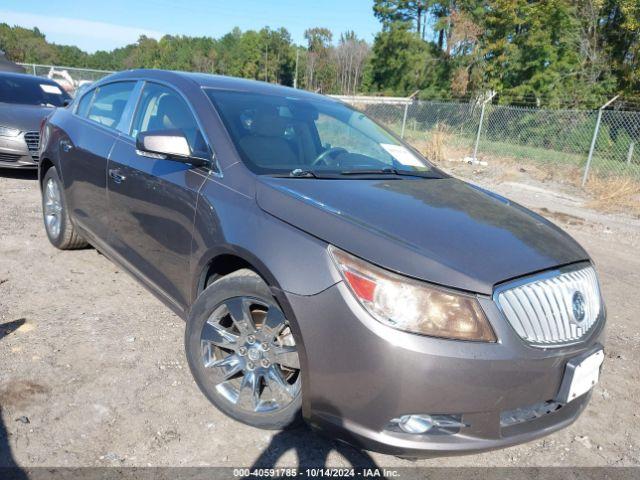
(14, 153)
(360, 374)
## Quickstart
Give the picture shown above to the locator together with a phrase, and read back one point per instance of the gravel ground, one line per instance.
(92, 369)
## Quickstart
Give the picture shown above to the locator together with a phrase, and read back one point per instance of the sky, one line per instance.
(103, 25)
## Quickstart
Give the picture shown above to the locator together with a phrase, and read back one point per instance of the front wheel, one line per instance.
(242, 353)
(61, 232)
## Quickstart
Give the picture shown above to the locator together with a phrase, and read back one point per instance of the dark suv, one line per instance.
(325, 269)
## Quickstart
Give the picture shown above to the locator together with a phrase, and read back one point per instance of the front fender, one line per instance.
(230, 223)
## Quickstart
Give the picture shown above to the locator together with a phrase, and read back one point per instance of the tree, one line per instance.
(550, 53)
(350, 56)
(620, 27)
(401, 63)
(320, 71)
(414, 12)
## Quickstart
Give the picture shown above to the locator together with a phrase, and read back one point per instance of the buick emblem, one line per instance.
(578, 307)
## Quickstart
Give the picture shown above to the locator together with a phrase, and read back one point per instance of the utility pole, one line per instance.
(295, 77)
(266, 61)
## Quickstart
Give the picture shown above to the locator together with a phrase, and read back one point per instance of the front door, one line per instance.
(153, 201)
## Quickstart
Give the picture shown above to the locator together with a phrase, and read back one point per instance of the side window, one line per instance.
(161, 108)
(85, 102)
(109, 102)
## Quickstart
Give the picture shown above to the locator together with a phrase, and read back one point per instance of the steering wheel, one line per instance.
(330, 152)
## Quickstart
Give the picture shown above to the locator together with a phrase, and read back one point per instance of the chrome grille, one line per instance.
(546, 310)
(33, 143)
(9, 157)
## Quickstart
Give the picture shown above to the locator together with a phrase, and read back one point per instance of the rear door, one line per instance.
(152, 201)
(84, 151)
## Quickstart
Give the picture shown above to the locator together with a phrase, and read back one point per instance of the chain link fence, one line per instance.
(551, 138)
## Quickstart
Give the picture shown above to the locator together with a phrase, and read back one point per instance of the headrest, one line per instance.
(268, 123)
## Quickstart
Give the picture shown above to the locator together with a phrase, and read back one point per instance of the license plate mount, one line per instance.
(580, 375)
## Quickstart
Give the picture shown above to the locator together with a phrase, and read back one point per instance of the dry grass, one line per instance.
(606, 194)
(614, 194)
(435, 146)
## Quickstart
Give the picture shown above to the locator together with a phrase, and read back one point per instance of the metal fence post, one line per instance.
(475, 148)
(595, 138)
(632, 145)
(404, 119)
(406, 111)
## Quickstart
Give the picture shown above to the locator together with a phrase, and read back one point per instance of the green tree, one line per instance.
(620, 24)
(402, 63)
(414, 12)
(320, 71)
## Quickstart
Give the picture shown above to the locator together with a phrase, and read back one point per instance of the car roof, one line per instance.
(206, 80)
(28, 78)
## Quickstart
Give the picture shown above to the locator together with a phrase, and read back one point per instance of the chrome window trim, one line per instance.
(546, 275)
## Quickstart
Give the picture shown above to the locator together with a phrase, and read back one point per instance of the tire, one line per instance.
(60, 230)
(230, 376)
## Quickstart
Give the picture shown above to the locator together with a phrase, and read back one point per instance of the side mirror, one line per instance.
(168, 144)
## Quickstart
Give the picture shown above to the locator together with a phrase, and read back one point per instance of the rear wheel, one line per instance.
(61, 232)
(242, 353)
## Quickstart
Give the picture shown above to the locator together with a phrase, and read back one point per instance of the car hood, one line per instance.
(443, 231)
(24, 117)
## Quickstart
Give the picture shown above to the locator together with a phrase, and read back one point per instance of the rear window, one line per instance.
(32, 91)
(84, 104)
(109, 102)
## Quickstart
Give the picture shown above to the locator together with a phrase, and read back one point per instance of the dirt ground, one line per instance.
(92, 369)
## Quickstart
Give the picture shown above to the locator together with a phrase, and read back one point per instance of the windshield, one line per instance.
(282, 135)
(31, 91)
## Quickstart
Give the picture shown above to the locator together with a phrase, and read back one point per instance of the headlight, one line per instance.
(411, 305)
(9, 132)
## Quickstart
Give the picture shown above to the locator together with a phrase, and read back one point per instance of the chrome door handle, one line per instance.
(66, 146)
(116, 176)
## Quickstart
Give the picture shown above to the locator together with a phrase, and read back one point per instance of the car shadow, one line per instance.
(312, 449)
(9, 469)
(31, 174)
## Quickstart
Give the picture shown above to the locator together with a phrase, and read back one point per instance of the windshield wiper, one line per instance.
(298, 172)
(370, 171)
(304, 173)
(390, 171)
(415, 173)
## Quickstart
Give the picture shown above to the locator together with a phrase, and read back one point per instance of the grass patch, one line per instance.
(614, 194)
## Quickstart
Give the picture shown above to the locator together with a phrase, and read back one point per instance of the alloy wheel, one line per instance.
(248, 347)
(52, 208)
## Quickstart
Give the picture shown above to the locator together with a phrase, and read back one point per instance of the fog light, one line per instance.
(415, 423)
(423, 423)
